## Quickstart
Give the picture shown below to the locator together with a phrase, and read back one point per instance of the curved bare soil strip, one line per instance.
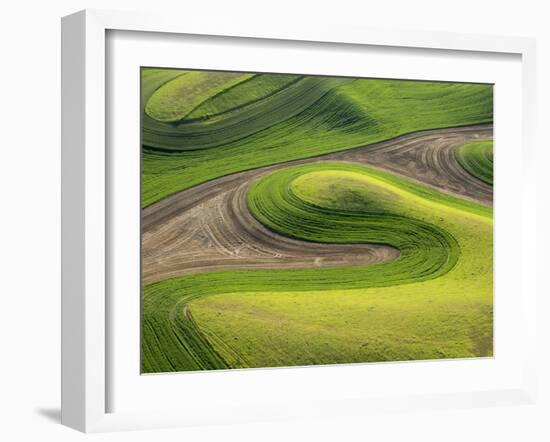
(429, 158)
(217, 232)
(208, 227)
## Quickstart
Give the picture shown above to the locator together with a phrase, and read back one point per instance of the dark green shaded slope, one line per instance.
(477, 159)
(307, 117)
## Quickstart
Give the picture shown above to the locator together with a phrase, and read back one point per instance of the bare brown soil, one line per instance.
(209, 227)
(429, 158)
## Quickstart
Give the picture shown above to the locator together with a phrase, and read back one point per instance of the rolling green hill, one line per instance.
(434, 301)
(177, 98)
(271, 118)
(477, 159)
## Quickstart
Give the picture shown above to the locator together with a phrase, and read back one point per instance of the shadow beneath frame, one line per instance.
(51, 414)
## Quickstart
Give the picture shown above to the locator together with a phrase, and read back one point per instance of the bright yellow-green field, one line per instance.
(446, 317)
(434, 301)
(177, 98)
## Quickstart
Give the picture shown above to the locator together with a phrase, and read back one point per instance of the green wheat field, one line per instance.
(292, 220)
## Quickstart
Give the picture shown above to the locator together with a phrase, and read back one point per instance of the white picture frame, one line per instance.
(85, 208)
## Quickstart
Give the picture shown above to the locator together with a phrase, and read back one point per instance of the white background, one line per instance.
(29, 179)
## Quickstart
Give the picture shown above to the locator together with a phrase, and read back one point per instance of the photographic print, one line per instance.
(295, 220)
